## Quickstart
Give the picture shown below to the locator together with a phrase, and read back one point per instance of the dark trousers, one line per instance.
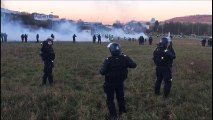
(203, 44)
(163, 73)
(110, 90)
(99, 41)
(48, 72)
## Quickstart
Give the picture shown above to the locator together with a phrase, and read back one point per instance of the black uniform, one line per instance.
(25, 36)
(37, 38)
(115, 70)
(203, 42)
(48, 55)
(99, 38)
(163, 58)
(141, 40)
(94, 38)
(5, 37)
(22, 38)
(210, 42)
(74, 38)
(52, 36)
(150, 40)
(2, 37)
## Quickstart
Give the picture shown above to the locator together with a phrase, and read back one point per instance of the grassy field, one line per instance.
(78, 93)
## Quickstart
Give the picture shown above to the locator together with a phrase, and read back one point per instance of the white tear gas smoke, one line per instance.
(62, 32)
(122, 34)
(169, 37)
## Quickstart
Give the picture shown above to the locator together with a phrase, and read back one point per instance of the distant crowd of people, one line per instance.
(3, 37)
(141, 40)
(99, 38)
(209, 42)
(24, 38)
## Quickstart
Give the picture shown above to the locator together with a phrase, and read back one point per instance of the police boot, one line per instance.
(50, 79)
(167, 88)
(113, 118)
(44, 79)
(122, 109)
(112, 110)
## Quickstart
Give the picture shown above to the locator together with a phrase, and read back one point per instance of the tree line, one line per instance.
(199, 29)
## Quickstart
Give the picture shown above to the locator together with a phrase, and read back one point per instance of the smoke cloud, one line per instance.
(62, 32)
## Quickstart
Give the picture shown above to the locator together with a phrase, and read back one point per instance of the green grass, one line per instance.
(78, 92)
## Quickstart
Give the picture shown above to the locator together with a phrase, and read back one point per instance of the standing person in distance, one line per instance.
(203, 42)
(150, 40)
(94, 38)
(73, 38)
(26, 36)
(114, 68)
(48, 55)
(37, 38)
(22, 38)
(163, 57)
(99, 38)
(53, 37)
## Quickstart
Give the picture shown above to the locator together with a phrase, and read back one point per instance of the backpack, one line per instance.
(159, 57)
(117, 63)
(117, 69)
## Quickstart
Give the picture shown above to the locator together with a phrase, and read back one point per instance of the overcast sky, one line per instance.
(109, 11)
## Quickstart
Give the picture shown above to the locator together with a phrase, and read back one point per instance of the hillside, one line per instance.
(192, 19)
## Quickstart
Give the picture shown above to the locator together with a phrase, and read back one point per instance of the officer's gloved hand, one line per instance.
(166, 50)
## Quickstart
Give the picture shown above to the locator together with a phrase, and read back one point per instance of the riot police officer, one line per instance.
(73, 38)
(115, 70)
(99, 38)
(25, 37)
(150, 40)
(37, 38)
(22, 38)
(203, 42)
(163, 57)
(94, 38)
(53, 37)
(210, 41)
(47, 54)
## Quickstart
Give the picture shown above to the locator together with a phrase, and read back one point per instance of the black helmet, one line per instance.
(114, 48)
(49, 40)
(164, 42)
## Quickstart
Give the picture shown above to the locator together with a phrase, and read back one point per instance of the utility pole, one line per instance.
(162, 28)
(51, 20)
(192, 29)
(198, 29)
